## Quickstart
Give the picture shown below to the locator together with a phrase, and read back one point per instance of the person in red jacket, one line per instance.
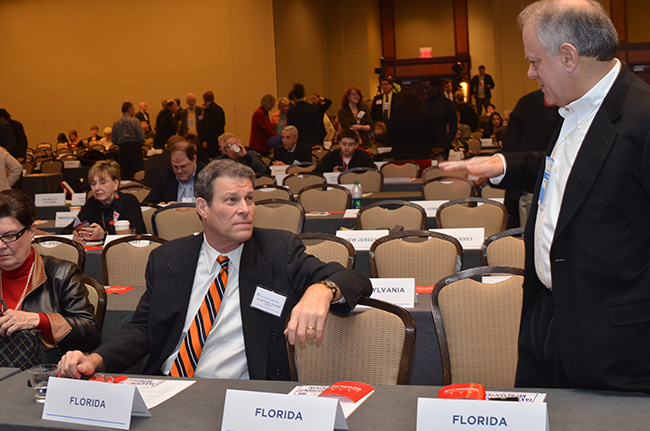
(261, 130)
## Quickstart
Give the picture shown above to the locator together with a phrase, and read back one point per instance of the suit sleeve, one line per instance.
(522, 170)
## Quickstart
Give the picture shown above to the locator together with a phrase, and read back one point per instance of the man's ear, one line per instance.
(201, 207)
(569, 56)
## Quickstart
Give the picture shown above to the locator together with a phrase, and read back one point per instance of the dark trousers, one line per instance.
(130, 159)
(480, 104)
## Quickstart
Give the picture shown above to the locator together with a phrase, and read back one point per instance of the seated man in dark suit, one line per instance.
(253, 280)
(348, 155)
(177, 184)
(291, 152)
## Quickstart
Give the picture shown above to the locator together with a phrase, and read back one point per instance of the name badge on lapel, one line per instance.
(268, 301)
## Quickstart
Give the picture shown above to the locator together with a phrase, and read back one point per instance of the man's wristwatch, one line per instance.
(332, 286)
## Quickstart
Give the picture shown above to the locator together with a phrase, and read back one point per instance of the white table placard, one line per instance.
(350, 213)
(93, 403)
(278, 169)
(78, 199)
(380, 163)
(71, 164)
(470, 238)
(361, 240)
(398, 291)
(455, 156)
(141, 243)
(246, 410)
(458, 415)
(64, 218)
(382, 150)
(332, 177)
(500, 200)
(488, 143)
(49, 199)
(430, 207)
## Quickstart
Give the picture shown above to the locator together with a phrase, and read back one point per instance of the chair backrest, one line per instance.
(373, 346)
(329, 248)
(271, 191)
(474, 144)
(51, 166)
(147, 216)
(401, 169)
(279, 214)
(302, 167)
(140, 192)
(391, 213)
(124, 259)
(298, 180)
(489, 192)
(139, 175)
(319, 152)
(504, 249)
(324, 197)
(176, 221)
(97, 297)
(460, 213)
(28, 167)
(447, 188)
(434, 172)
(371, 180)
(425, 255)
(478, 134)
(68, 157)
(61, 248)
(478, 326)
(261, 179)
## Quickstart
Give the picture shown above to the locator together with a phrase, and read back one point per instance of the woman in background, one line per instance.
(354, 114)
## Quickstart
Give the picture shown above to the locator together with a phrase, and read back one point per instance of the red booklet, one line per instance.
(354, 391)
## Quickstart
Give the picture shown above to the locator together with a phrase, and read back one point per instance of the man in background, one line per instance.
(128, 135)
(481, 87)
(189, 118)
(212, 125)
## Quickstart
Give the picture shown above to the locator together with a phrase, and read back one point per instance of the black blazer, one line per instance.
(377, 108)
(166, 187)
(183, 126)
(211, 126)
(308, 120)
(165, 128)
(601, 248)
(302, 153)
(274, 259)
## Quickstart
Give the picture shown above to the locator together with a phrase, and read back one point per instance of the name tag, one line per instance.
(469, 238)
(398, 291)
(378, 102)
(360, 114)
(451, 415)
(65, 218)
(548, 166)
(49, 199)
(268, 301)
(78, 199)
(429, 206)
(332, 177)
(93, 403)
(361, 240)
(246, 410)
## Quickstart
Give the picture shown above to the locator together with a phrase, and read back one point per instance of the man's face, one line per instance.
(173, 107)
(447, 87)
(131, 111)
(191, 101)
(229, 149)
(481, 71)
(142, 106)
(548, 72)
(427, 88)
(288, 140)
(347, 145)
(228, 221)
(386, 87)
(145, 126)
(182, 166)
(314, 99)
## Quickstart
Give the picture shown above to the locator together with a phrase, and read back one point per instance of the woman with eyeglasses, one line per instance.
(354, 114)
(40, 292)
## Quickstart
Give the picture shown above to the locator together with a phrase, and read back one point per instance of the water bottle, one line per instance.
(356, 195)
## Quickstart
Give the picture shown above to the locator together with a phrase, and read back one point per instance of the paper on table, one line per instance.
(524, 397)
(348, 406)
(156, 391)
(350, 213)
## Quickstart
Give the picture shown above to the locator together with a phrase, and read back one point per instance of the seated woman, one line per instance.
(106, 206)
(348, 156)
(94, 136)
(354, 114)
(279, 117)
(74, 141)
(40, 292)
(495, 122)
(61, 141)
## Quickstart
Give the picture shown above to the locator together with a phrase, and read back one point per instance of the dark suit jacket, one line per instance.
(183, 127)
(302, 153)
(165, 128)
(142, 116)
(601, 248)
(308, 120)
(377, 108)
(360, 159)
(211, 127)
(412, 134)
(166, 187)
(274, 259)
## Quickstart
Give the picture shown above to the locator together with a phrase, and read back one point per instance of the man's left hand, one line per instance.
(308, 316)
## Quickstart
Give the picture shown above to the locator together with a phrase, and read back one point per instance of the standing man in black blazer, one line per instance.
(586, 310)
(383, 103)
(307, 118)
(212, 124)
(247, 339)
(142, 114)
(165, 124)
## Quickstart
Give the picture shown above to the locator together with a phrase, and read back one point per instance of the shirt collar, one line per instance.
(588, 103)
(234, 256)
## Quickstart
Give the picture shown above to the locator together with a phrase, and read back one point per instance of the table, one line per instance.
(40, 183)
(391, 408)
(6, 372)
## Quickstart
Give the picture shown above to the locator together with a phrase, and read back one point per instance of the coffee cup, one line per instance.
(122, 227)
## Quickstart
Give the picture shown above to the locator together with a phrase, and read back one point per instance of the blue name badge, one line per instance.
(547, 175)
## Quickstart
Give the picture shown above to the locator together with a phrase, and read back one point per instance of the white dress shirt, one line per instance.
(224, 353)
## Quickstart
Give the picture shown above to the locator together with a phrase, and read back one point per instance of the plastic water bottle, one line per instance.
(356, 195)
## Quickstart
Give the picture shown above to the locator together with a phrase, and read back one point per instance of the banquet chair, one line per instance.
(447, 188)
(302, 167)
(489, 192)
(147, 216)
(373, 346)
(370, 179)
(267, 191)
(176, 221)
(324, 197)
(391, 213)
(45, 145)
(68, 157)
(279, 214)
(28, 167)
(139, 191)
(504, 249)
(461, 213)
(261, 179)
(319, 152)
(477, 325)
(61, 248)
(329, 248)
(124, 259)
(97, 297)
(421, 254)
(298, 180)
(139, 175)
(51, 166)
(434, 172)
(400, 169)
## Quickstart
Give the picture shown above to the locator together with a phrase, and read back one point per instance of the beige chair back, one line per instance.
(478, 326)
(489, 192)
(447, 189)
(319, 152)
(147, 217)
(51, 166)
(176, 221)
(373, 346)
(299, 180)
(261, 179)
(28, 167)
(267, 191)
(371, 180)
(504, 249)
(329, 248)
(140, 192)
(279, 214)
(61, 248)
(427, 256)
(139, 175)
(400, 169)
(330, 197)
(390, 214)
(303, 167)
(434, 172)
(460, 213)
(124, 260)
(97, 297)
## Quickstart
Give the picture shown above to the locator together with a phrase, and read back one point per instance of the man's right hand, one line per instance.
(489, 167)
(74, 364)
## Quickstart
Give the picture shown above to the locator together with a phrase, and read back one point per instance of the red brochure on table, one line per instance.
(354, 391)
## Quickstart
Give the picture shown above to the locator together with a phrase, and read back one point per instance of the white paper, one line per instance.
(398, 291)
(64, 218)
(347, 405)
(524, 397)
(332, 177)
(350, 213)
(157, 391)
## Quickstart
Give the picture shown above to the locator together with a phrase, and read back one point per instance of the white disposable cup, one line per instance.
(122, 227)
(38, 378)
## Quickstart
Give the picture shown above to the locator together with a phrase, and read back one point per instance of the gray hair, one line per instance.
(204, 185)
(585, 26)
(223, 138)
(267, 99)
(291, 129)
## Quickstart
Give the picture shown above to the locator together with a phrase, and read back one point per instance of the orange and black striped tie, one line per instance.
(190, 351)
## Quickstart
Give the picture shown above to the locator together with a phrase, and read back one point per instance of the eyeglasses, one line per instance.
(13, 237)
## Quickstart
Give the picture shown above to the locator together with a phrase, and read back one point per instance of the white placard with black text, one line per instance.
(49, 199)
(398, 291)
(361, 240)
(469, 238)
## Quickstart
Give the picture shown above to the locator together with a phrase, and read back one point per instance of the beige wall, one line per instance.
(71, 64)
(424, 23)
(638, 13)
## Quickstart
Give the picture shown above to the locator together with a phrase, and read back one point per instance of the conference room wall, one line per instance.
(71, 64)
